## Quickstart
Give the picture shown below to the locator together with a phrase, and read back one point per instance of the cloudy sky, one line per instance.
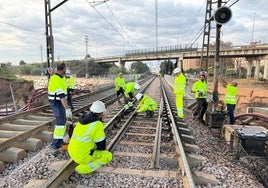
(117, 26)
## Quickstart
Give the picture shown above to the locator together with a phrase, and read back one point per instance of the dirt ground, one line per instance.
(251, 92)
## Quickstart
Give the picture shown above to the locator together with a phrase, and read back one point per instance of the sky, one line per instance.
(114, 27)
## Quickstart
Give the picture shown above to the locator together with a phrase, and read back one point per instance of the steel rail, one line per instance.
(157, 142)
(67, 169)
(186, 171)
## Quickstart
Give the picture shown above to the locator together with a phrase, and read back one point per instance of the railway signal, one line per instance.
(222, 15)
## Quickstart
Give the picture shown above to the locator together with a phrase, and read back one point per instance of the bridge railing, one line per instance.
(163, 49)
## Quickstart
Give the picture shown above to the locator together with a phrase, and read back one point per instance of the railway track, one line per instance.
(141, 146)
(29, 130)
(147, 152)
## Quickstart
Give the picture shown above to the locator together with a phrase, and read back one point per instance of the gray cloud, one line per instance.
(178, 23)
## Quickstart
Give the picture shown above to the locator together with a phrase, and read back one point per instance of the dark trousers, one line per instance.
(202, 106)
(118, 92)
(69, 99)
(60, 116)
(230, 111)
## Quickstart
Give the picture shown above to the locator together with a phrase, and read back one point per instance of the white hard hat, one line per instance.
(137, 86)
(138, 96)
(68, 71)
(177, 70)
(97, 107)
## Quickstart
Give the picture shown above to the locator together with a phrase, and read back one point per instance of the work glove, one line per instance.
(68, 113)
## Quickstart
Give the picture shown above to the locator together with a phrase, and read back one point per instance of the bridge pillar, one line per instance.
(265, 72)
(249, 68)
(257, 68)
(121, 63)
(180, 63)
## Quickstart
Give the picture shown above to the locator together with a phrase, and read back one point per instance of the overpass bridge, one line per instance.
(254, 54)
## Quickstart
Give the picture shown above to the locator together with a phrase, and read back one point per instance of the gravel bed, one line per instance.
(131, 162)
(145, 139)
(167, 150)
(169, 163)
(103, 180)
(219, 160)
(134, 148)
(144, 131)
(34, 166)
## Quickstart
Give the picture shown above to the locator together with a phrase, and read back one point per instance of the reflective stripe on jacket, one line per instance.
(56, 88)
(119, 82)
(179, 84)
(147, 103)
(230, 97)
(84, 138)
(200, 86)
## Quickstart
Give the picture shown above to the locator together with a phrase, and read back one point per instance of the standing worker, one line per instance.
(129, 94)
(57, 92)
(136, 78)
(179, 89)
(230, 98)
(119, 83)
(70, 84)
(87, 146)
(200, 89)
(146, 104)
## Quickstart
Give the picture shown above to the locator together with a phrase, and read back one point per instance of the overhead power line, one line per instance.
(109, 23)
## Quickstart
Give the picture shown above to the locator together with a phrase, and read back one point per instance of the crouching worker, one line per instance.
(146, 104)
(87, 146)
(129, 94)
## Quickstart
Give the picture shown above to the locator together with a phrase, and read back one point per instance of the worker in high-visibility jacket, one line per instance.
(179, 89)
(200, 89)
(70, 85)
(57, 93)
(119, 83)
(129, 93)
(230, 98)
(136, 78)
(146, 104)
(87, 146)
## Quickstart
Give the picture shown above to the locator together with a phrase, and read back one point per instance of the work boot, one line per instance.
(151, 113)
(147, 114)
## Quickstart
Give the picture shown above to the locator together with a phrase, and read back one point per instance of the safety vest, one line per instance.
(70, 82)
(179, 84)
(200, 86)
(56, 87)
(129, 88)
(230, 96)
(147, 103)
(119, 82)
(84, 138)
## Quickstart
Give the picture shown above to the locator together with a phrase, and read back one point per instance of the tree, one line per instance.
(139, 67)
(22, 62)
(166, 67)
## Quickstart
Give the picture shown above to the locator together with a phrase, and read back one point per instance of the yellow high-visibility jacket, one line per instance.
(230, 96)
(70, 82)
(129, 88)
(85, 138)
(147, 103)
(198, 87)
(179, 84)
(119, 82)
(56, 87)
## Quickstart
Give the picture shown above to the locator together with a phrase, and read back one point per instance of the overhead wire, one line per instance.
(109, 23)
(123, 28)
